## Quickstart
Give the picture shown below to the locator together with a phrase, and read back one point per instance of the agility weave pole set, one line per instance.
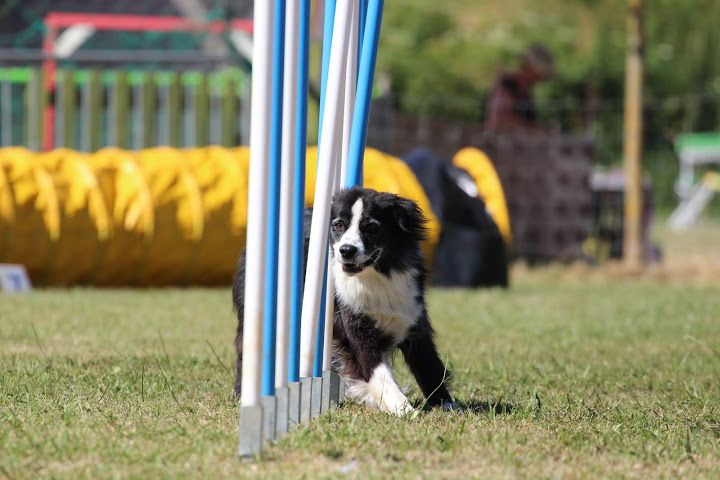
(287, 330)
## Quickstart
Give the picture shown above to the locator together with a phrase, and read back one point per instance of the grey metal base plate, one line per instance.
(305, 398)
(334, 389)
(281, 407)
(293, 404)
(341, 391)
(316, 399)
(269, 413)
(325, 401)
(251, 423)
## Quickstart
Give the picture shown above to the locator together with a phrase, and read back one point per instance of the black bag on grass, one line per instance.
(471, 251)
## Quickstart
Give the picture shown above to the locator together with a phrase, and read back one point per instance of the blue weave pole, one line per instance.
(298, 234)
(317, 366)
(328, 22)
(361, 26)
(363, 96)
(273, 220)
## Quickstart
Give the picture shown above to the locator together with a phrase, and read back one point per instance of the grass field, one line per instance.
(603, 376)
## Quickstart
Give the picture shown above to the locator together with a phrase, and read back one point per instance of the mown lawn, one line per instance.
(602, 378)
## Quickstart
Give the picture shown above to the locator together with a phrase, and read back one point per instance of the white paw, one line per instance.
(406, 410)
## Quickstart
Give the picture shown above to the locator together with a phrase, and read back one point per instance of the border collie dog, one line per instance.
(379, 275)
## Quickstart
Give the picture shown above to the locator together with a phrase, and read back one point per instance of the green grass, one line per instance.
(605, 379)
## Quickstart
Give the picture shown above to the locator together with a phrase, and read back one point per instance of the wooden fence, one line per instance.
(127, 109)
(546, 177)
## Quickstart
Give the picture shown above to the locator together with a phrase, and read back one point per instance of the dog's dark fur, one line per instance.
(379, 278)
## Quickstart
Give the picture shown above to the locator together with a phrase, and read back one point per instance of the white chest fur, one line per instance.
(390, 301)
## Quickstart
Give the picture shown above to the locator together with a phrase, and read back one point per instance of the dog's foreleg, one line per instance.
(424, 362)
(238, 296)
(360, 348)
(238, 364)
(385, 392)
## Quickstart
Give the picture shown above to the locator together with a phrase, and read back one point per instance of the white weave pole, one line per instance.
(327, 159)
(292, 21)
(257, 204)
(349, 103)
(350, 88)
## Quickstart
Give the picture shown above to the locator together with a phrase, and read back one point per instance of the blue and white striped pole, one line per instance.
(298, 234)
(273, 217)
(366, 73)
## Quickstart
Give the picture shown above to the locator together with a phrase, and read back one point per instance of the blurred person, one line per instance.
(510, 106)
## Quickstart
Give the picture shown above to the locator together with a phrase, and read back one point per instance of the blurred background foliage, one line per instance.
(442, 58)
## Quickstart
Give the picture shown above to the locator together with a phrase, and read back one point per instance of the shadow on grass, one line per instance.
(475, 406)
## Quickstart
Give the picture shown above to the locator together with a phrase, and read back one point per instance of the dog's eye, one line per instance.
(371, 227)
(338, 225)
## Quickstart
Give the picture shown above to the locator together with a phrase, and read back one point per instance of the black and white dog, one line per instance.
(379, 275)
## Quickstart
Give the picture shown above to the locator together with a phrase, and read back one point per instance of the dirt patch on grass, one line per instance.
(691, 256)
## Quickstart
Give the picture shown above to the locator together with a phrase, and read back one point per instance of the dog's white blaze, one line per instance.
(390, 300)
(382, 391)
(352, 234)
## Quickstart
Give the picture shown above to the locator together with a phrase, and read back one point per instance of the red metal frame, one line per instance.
(54, 21)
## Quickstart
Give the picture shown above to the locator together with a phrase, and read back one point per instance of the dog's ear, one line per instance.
(409, 217)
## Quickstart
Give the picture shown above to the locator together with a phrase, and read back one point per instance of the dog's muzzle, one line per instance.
(351, 264)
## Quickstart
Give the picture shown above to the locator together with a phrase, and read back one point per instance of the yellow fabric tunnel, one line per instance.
(159, 216)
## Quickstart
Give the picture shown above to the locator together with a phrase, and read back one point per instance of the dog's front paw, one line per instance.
(405, 410)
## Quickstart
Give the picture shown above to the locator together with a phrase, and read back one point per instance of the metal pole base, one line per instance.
(251, 423)
(269, 405)
(305, 398)
(316, 399)
(341, 391)
(330, 390)
(335, 383)
(281, 418)
(293, 404)
(325, 403)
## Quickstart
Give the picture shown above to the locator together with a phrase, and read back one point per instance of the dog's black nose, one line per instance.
(348, 251)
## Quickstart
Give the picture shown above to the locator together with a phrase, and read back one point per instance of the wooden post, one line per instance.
(120, 109)
(35, 106)
(69, 104)
(202, 106)
(149, 104)
(6, 116)
(633, 132)
(50, 99)
(174, 110)
(229, 97)
(94, 128)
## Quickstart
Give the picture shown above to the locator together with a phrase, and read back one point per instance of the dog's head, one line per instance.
(370, 229)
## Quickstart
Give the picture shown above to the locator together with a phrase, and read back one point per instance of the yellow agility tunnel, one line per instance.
(160, 216)
(164, 216)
